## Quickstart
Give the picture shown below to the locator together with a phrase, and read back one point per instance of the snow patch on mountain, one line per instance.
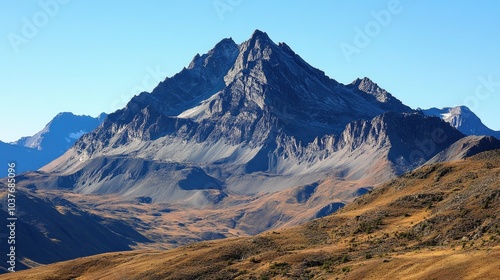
(463, 119)
(77, 135)
(52, 141)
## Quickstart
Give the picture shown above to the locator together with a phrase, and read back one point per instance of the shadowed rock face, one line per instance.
(329, 209)
(52, 229)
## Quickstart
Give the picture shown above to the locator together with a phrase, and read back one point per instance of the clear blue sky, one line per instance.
(90, 56)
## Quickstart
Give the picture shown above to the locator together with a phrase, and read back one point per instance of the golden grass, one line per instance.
(438, 264)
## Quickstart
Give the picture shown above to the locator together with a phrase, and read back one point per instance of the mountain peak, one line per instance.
(64, 115)
(225, 44)
(225, 50)
(258, 42)
(460, 110)
(260, 35)
(366, 85)
(463, 119)
(101, 117)
(358, 81)
(369, 89)
(251, 54)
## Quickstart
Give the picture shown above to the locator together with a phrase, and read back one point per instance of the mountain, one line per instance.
(61, 132)
(245, 111)
(247, 138)
(439, 221)
(463, 119)
(244, 122)
(33, 152)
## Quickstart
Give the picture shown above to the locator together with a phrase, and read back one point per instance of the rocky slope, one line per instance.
(367, 150)
(466, 147)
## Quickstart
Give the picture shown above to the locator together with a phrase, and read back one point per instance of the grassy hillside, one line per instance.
(440, 221)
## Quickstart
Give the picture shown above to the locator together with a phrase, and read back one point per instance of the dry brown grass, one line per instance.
(439, 222)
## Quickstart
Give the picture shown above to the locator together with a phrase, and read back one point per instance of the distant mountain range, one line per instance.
(248, 137)
(33, 152)
(463, 119)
